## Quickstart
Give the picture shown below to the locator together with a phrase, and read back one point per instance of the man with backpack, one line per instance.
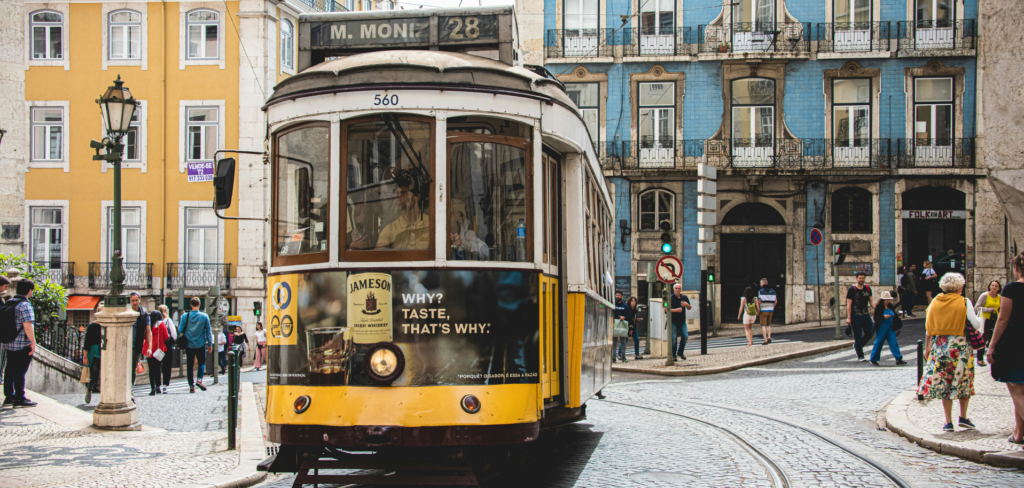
(859, 304)
(4, 283)
(194, 328)
(18, 338)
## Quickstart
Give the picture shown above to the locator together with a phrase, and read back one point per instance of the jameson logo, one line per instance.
(369, 307)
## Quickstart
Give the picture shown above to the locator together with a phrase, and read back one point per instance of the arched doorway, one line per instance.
(934, 228)
(746, 257)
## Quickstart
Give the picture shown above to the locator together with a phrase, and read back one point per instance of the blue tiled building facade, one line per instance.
(853, 116)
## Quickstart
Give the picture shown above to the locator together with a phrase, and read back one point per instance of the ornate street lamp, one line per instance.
(117, 106)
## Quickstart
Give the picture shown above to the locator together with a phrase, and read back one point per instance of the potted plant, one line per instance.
(724, 48)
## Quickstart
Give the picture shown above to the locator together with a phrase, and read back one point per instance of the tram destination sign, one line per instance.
(404, 30)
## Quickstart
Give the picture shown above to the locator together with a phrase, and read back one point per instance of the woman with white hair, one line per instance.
(949, 374)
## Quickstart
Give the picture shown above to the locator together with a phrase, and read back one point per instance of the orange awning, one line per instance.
(82, 302)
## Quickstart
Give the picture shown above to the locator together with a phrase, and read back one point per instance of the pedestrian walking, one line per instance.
(142, 331)
(859, 304)
(930, 282)
(748, 314)
(157, 352)
(4, 284)
(222, 354)
(167, 363)
(987, 307)
(261, 346)
(949, 374)
(241, 340)
(199, 337)
(886, 325)
(619, 343)
(680, 304)
(766, 305)
(93, 338)
(631, 306)
(1007, 344)
(910, 283)
(17, 315)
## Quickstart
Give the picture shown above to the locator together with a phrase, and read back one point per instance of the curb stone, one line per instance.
(732, 367)
(896, 420)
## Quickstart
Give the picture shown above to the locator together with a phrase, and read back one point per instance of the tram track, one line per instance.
(776, 473)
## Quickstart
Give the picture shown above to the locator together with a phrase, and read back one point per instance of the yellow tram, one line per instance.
(442, 239)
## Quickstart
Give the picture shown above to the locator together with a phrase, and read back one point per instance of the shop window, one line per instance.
(125, 30)
(47, 29)
(851, 211)
(203, 30)
(656, 208)
(302, 169)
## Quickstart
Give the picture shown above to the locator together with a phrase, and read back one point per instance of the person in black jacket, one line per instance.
(631, 318)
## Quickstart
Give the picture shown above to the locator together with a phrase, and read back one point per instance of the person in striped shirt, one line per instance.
(766, 297)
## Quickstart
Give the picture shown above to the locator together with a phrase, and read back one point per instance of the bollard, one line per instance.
(920, 365)
(232, 398)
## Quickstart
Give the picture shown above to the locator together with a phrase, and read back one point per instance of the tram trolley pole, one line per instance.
(233, 377)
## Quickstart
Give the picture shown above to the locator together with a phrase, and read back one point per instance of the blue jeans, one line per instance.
(886, 334)
(862, 326)
(679, 330)
(620, 348)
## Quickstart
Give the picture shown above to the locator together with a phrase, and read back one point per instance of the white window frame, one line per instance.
(142, 124)
(140, 8)
(183, 59)
(387, 5)
(596, 109)
(657, 214)
(183, 207)
(183, 107)
(65, 161)
(62, 9)
(65, 215)
(350, 5)
(367, 5)
(287, 46)
(105, 209)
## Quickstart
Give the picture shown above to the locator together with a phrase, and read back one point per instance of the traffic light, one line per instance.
(666, 237)
(256, 309)
(711, 274)
(839, 252)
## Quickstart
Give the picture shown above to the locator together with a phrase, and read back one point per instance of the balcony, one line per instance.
(932, 38)
(935, 153)
(646, 154)
(851, 38)
(61, 272)
(650, 41)
(136, 275)
(198, 275)
(756, 38)
(578, 43)
(803, 154)
(324, 5)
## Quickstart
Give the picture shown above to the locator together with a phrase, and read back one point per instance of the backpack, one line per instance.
(9, 327)
(751, 308)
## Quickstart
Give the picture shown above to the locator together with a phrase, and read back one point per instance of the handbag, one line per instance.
(139, 368)
(86, 375)
(973, 336)
(158, 355)
(621, 328)
(182, 341)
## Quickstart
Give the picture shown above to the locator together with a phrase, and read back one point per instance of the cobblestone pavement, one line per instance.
(832, 394)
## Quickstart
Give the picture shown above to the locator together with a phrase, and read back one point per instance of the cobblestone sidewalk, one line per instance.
(991, 410)
(719, 360)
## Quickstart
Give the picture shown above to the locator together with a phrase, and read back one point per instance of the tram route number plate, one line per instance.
(467, 28)
(408, 30)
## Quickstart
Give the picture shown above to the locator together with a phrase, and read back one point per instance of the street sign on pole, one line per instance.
(669, 269)
(816, 237)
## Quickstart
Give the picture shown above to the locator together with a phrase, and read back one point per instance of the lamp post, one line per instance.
(116, 409)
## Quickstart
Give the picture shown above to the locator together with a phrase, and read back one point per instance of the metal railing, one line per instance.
(935, 153)
(60, 338)
(198, 275)
(136, 275)
(803, 154)
(324, 5)
(650, 41)
(579, 43)
(842, 37)
(750, 37)
(936, 37)
(61, 272)
(652, 154)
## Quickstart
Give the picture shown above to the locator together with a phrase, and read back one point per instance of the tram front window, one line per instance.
(303, 177)
(489, 193)
(388, 185)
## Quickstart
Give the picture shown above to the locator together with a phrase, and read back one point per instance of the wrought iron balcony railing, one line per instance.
(935, 153)
(841, 37)
(755, 37)
(324, 5)
(136, 275)
(652, 154)
(936, 37)
(61, 272)
(198, 275)
(802, 154)
(579, 43)
(651, 41)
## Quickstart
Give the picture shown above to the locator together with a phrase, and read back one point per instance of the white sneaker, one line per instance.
(165, 390)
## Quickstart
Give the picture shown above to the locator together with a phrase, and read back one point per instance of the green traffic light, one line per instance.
(711, 277)
(666, 248)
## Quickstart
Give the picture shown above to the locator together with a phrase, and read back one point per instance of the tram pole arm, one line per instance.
(216, 211)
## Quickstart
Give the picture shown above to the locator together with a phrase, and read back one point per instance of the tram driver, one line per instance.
(411, 230)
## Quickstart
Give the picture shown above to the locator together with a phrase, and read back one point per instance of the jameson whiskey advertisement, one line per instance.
(453, 327)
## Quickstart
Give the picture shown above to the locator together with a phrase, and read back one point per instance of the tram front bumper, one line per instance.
(380, 436)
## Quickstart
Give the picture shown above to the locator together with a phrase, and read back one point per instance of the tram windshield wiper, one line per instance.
(403, 141)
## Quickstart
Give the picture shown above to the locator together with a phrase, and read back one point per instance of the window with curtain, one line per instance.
(933, 111)
(203, 31)
(47, 29)
(125, 36)
(131, 234)
(47, 133)
(45, 227)
(202, 128)
(851, 112)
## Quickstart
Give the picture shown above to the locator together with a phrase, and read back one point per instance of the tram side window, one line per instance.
(489, 194)
(388, 173)
(303, 178)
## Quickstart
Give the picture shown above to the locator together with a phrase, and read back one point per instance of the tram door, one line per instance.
(550, 287)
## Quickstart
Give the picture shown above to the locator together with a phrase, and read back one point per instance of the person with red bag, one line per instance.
(159, 351)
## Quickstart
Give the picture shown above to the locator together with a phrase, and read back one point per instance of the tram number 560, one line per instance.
(385, 100)
(472, 28)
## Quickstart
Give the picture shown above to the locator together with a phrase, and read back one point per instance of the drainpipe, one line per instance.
(163, 143)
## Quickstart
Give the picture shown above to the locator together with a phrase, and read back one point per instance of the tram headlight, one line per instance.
(302, 403)
(384, 362)
(471, 404)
